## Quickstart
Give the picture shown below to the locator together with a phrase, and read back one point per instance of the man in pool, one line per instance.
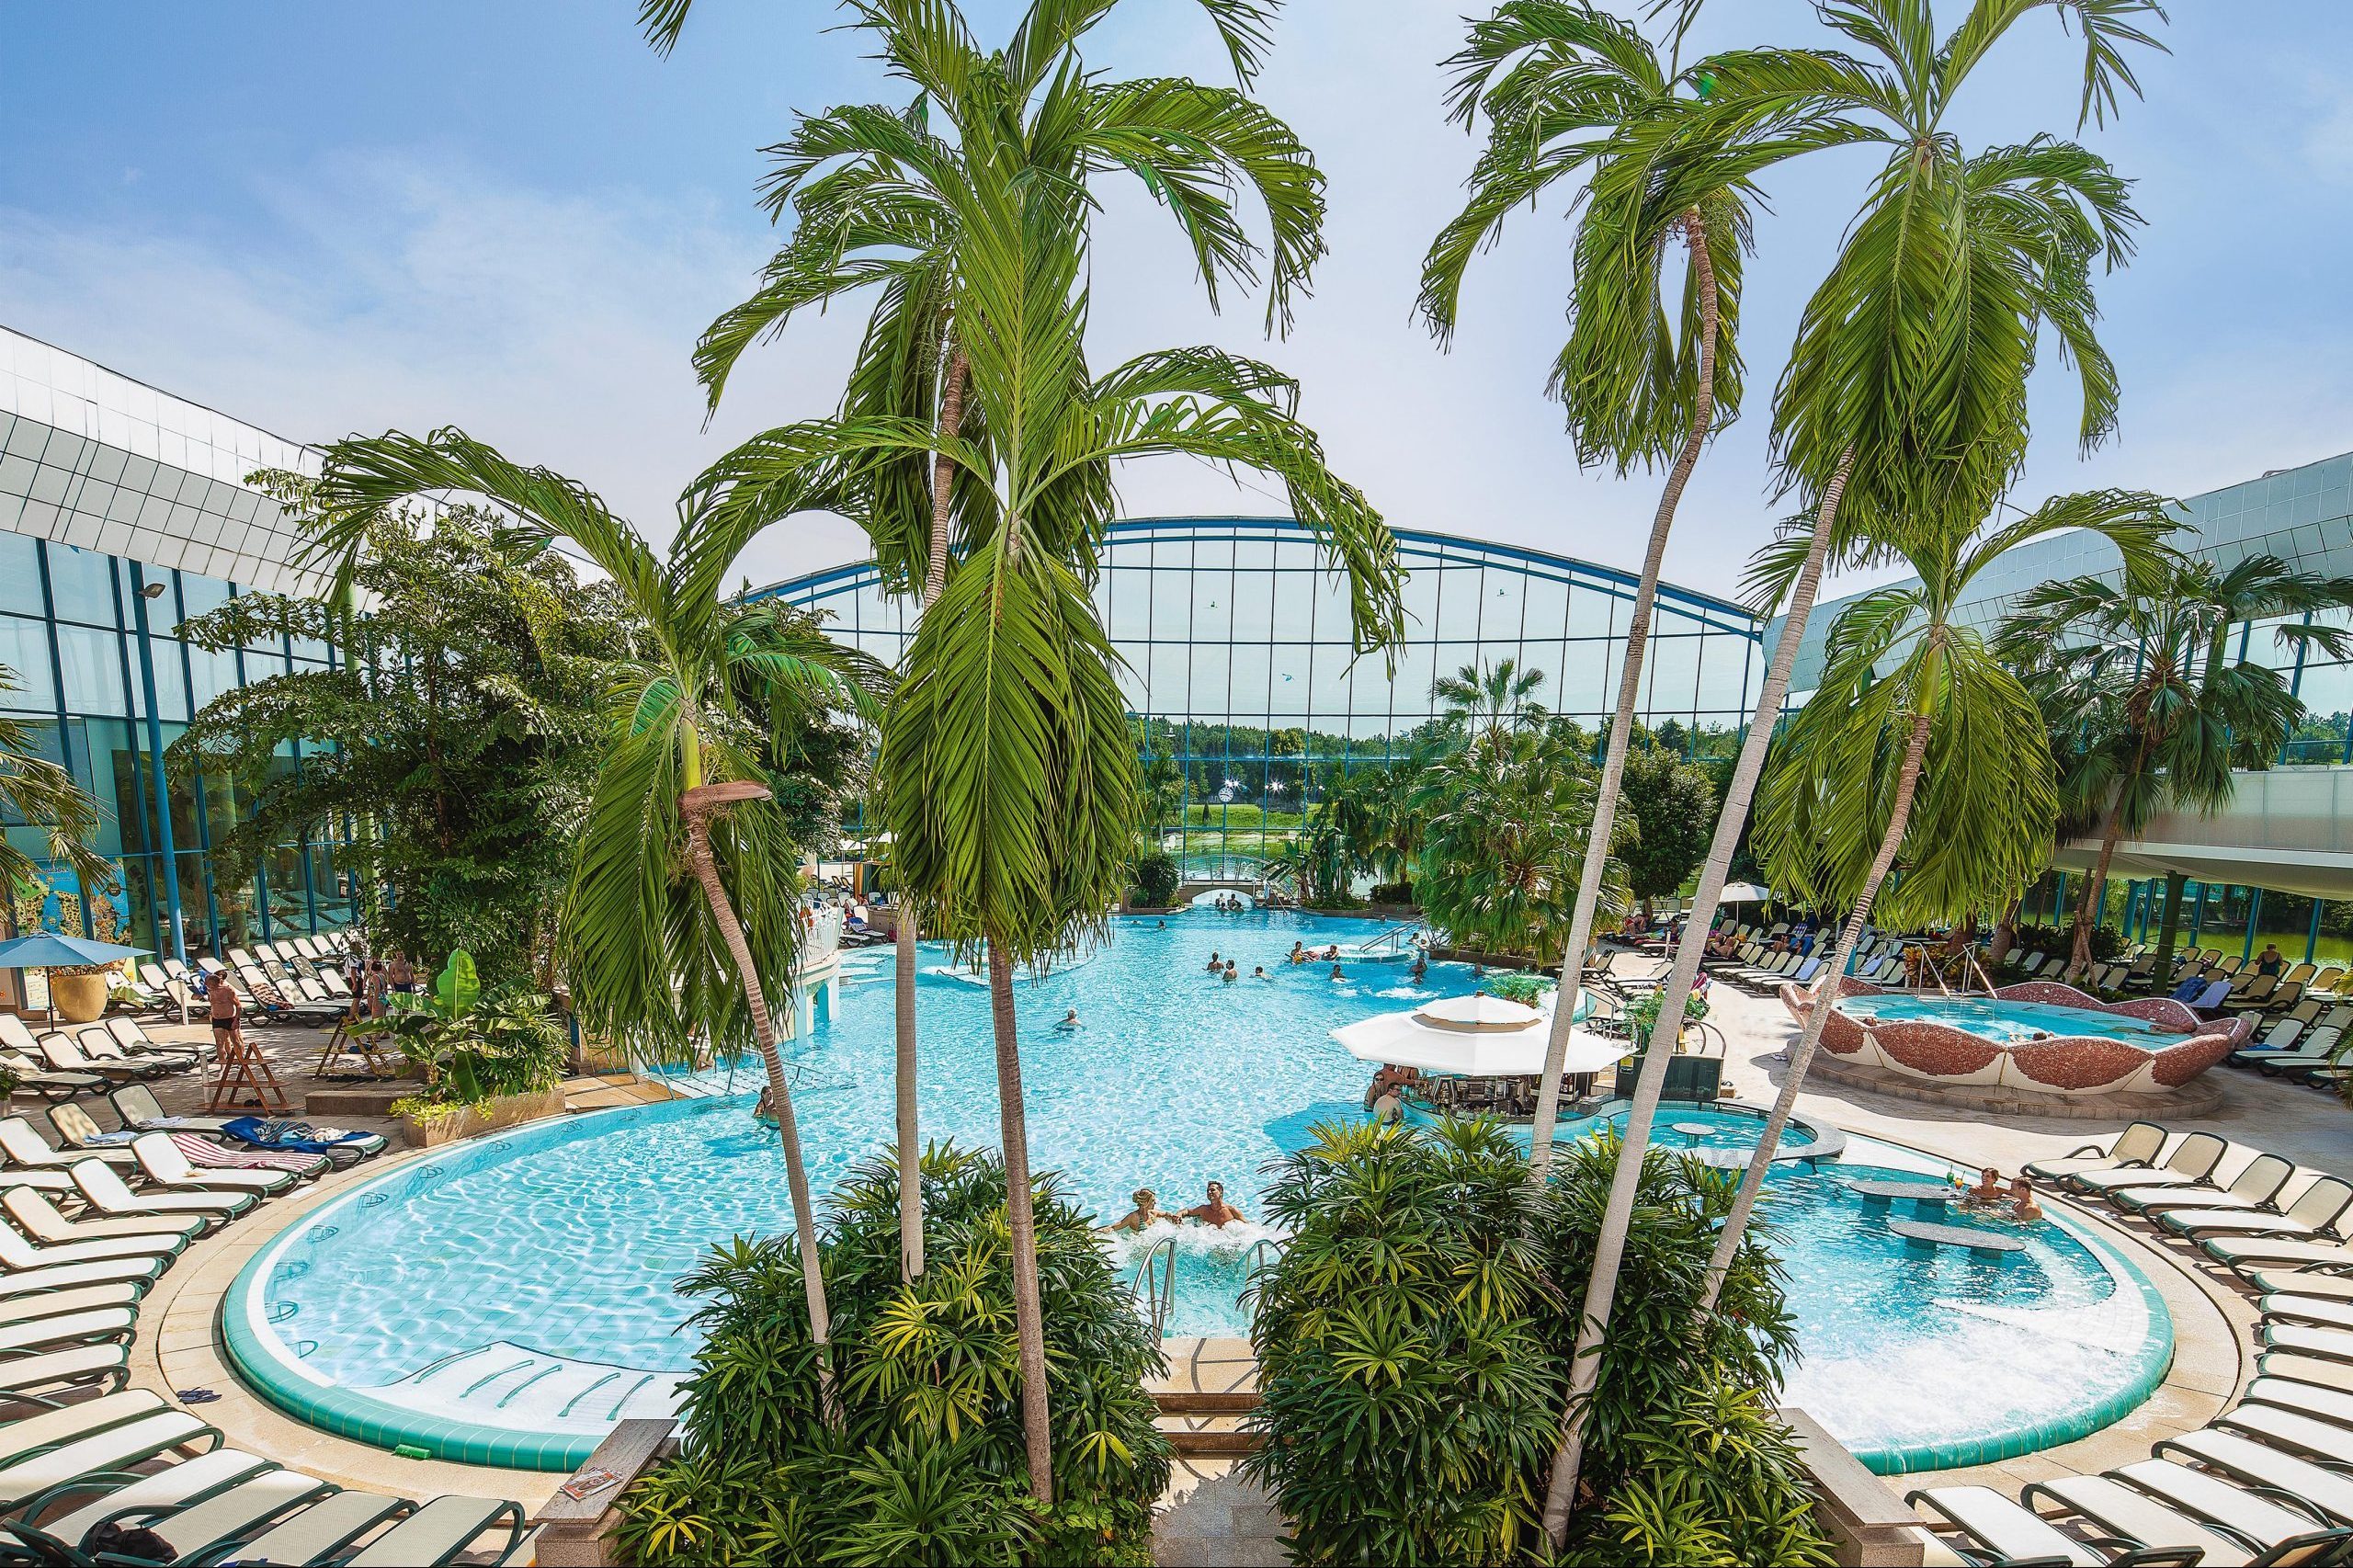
(2023, 1207)
(1258, 972)
(1145, 1212)
(1337, 974)
(1217, 1211)
(1299, 952)
(1069, 1022)
(1233, 971)
(1421, 967)
(1216, 963)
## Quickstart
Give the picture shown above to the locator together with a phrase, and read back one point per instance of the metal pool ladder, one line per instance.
(1155, 1283)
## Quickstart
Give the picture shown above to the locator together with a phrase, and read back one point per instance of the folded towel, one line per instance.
(204, 1152)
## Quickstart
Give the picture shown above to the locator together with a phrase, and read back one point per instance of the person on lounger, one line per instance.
(1217, 1211)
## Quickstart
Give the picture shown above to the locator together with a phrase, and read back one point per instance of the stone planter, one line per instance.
(489, 1116)
(78, 998)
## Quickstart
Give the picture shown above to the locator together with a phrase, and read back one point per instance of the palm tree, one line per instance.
(873, 196)
(37, 791)
(1506, 821)
(684, 871)
(1906, 391)
(1918, 728)
(1564, 87)
(2152, 712)
(1010, 770)
(1495, 702)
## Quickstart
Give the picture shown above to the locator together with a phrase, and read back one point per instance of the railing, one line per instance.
(1394, 937)
(1155, 1283)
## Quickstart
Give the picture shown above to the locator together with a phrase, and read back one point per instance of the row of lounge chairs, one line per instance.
(86, 1228)
(60, 1063)
(300, 979)
(2306, 1046)
(2265, 1483)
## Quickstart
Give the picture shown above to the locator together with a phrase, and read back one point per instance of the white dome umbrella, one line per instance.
(1474, 1036)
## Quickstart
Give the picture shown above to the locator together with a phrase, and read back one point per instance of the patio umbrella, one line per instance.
(1744, 893)
(46, 950)
(1476, 1037)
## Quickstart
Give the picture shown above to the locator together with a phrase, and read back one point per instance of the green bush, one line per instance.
(1413, 1342)
(1156, 881)
(1525, 986)
(928, 1465)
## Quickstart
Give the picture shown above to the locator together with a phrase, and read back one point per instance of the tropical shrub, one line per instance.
(927, 1465)
(1642, 1014)
(1409, 1398)
(1525, 986)
(1156, 881)
(471, 1047)
(1413, 1342)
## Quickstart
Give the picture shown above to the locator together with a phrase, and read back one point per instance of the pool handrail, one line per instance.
(1155, 1288)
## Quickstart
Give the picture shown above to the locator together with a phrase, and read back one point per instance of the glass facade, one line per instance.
(2304, 517)
(1247, 697)
(123, 512)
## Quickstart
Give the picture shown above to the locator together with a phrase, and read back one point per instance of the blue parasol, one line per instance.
(50, 949)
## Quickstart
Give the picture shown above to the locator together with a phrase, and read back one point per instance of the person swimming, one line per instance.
(1337, 974)
(1259, 973)
(1070, 1021)
(1217, 1211)
(1988, 1190)
(1233, 972)
(1299, 952)
(1216, 963)
(2023, 1207)
(1145, 1213)
(1421, 967)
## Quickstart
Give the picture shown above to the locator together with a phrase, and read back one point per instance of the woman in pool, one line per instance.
(1217, 1211)
(1216, 963)
(1988, 1190)
(1337, 974)
(1299, 952)
(1146, 1211)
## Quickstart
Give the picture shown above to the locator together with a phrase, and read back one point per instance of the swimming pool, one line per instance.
(2008, 1022)
(504, 1301)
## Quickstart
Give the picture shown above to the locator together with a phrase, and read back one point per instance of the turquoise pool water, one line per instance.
(506, 1299)
(2010, 1023)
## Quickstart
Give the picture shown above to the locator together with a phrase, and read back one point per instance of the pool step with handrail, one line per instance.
(508, 1384)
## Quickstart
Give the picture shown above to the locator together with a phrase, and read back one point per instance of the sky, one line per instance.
(513, 217)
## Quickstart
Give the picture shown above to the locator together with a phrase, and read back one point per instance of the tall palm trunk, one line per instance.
(1601, 1285)
(2005, 933)
(1850, 934)
(1028, 1316)
(2169, 928)
(902, 986)
(2089, 908)
(796, 1172)
(1630, 680)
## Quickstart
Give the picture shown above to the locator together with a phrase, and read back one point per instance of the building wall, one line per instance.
(1239, 667)
(108, 488)
(2304, 516)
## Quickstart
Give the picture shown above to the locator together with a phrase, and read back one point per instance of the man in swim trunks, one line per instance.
(1145, 1212)
(1216, 963)
(2023, 1207)
(1233, 971)
(1217, 1211)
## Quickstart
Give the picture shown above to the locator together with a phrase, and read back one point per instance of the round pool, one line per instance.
(506, 1300)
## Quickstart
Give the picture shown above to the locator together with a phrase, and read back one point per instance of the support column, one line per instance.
(156, 753)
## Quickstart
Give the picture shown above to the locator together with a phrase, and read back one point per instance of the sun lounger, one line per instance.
(69, 1328)
(136, 1272)
(108, 1196)
(322, 1530)
(2316, 1370)
(41, 1181)
(2127, 1512)
(2316, 1213)
(2328, 1343)
(438, 1531)
(2277, 1039)
(2191, 1163)
(2134, 1149)
(2276, 1252)
(2253, 1190)
(23, 1147)
(2333, 1405)
(62, 1537)
(2308, 1283)
(64, 1056)
(115, 1448)
(71, 1423)
(138, 1109)
(59, 1304)
(198, 1531)
(34, 1076)
(2009, 1532)
(132, 1036)
(38, 1219)
(2287, 1530)
(83, 1139)
(2286, 1430)
(2210, 998)
(22, 1256)
(2312, 1052)
(162, 1161)
(55, 1373)
(2259, 1464)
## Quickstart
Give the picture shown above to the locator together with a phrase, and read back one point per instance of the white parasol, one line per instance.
(1475, 1037)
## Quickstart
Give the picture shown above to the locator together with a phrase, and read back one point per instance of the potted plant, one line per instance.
(488, 1061)
(78, 993)
(1642, 1015)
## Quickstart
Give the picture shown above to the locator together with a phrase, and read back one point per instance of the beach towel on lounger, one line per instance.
(200, 1151)
(287, 1137)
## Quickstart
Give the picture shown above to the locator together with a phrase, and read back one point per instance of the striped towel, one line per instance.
(202, 1150)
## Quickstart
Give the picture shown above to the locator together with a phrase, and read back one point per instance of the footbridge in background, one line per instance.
(2288, 828)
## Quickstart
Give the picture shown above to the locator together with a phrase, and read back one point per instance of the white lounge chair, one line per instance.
(160, 1160)
(115, 1448)
(38, 1219)
(2002, 1527)
(2131, 1514)
(2259, 1464)
(2191, 1163)
(22, 1257)
(108, 1196)
(22, 1146)
(2284, 1532)
(2135, 1149)
(2252, 1190)
(62, 1538)
(80, 1298)
(2316, 1213)
(2243, 1253)
(53, 1374)
(69, 1328)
